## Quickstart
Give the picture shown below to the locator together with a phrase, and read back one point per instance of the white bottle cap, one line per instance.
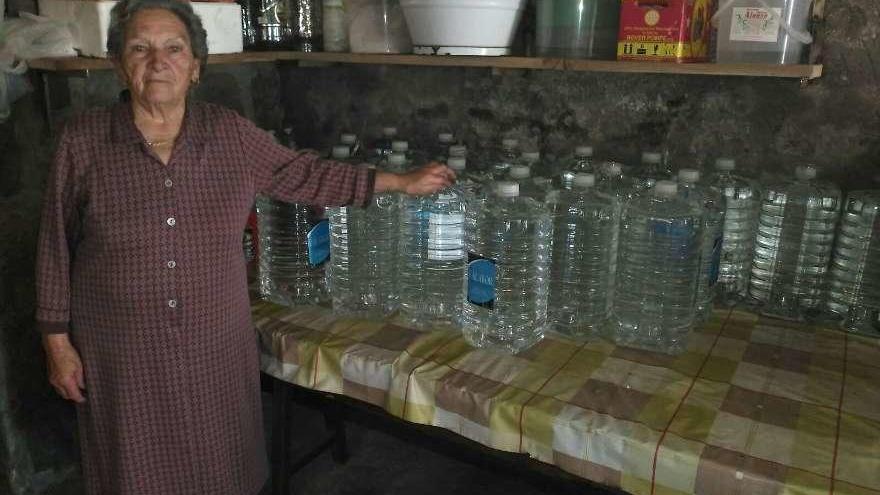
(389, 131)
(458, 150)
(583, 151)
(805, 172)
(613, 169)
(725, 164)
(445, 137)
(520, 172)
(348, 139)
(399, 146)
(584, 180)
(507, 189)
(340, 152)
(457, 163)
(509, 143)
(531, 156)
(397, 159)
(652, 157)
(665, 189)
(689, 175)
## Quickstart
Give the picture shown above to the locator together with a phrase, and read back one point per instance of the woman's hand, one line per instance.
(65, 367)
(423, 181)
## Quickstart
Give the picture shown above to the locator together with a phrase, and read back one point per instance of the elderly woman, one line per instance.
(141, 285)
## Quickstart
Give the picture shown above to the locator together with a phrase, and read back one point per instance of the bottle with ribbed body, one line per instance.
(742, 200)
(793, 244)
(508, 271)
(853, 289)
(652, 169)
(658, 265)
(508, 157)
(585, 224)
(580, 163)
(432, 257)
(712, 205)
(530, 187)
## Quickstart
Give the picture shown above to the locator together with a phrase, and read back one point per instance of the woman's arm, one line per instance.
(425, 180)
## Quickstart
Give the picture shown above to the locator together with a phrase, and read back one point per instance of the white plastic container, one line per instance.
(90, 19)
(462, 27)
(762, 31)
(377, 26)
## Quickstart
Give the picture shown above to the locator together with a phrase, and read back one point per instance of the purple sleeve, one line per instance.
(301, 176)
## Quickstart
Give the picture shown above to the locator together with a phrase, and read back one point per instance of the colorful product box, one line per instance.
(665, 30)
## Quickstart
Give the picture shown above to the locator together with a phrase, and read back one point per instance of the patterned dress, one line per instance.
(142, 263)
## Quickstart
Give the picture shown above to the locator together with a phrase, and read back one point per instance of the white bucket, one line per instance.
(462, 27)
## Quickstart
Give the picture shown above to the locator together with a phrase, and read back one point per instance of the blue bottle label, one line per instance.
(481, 281)
(715, 268)
(318, 242)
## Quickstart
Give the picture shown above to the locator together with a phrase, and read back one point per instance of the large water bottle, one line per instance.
(440, 150)
(793, 244)
(854, 276)
(580, 163)
(507, 158)
(585, 224)
(432, 258)
(658, 265)
(528, 186)
(612, 181)
(742, 200)
(712, 205)
(363, 263)
(507, 274)
(382, 146)
(652, 169)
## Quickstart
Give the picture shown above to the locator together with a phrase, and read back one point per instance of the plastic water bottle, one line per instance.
(432, 258)
(522, 175)
(653, 169)
(362, 273)
(382, 147)
(506, 159)
(354, 146)
(658, 265)
(585, 224)
(612, 181)
(793, 244)
(712, 205)
(470, 183)
(742, 200)
(854, 277)
(508, 272)
(441, 148)
(457, 151)
(580, 163)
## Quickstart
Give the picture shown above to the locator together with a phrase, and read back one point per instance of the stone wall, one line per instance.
(768, 124)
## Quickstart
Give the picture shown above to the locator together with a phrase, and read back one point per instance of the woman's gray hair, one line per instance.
(125, 10)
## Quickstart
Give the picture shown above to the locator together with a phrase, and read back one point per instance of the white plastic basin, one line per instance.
(462, 27)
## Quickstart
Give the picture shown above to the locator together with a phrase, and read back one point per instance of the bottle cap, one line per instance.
(457, 163)
(458, 150)
(507, 189)
(520, 172)
(726, 164)
(445, 137)
(340, 152)
(389, 131)
(531, 156)
(665, 189)
(399, 146)
(584, 180)
(509, 143)
(397, 159)
(613, 169)
(689, 175)
(348, 139)
(805, 172)
(583, 151)
(652, 158)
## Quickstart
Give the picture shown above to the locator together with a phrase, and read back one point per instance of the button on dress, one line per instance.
(142, 264)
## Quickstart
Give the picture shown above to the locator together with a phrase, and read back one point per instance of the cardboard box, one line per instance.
(89, 20)
(665, 30)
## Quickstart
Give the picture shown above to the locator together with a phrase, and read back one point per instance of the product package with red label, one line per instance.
(665, 30)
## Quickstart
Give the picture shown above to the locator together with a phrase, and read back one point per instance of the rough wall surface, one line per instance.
(768, 124)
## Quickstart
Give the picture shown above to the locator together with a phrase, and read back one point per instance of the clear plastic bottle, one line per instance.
(354, 145)
(440, 149)
(585, 224)
(457, 151)
(612, 181)
(432, 258)
(853, 293)
(382, 146)
(742, 200)
(522, 175)
(507, 158)
(508, 273)
(652, 169)
(580, 163)
(793, 244)
(658, 265)
(712, 205)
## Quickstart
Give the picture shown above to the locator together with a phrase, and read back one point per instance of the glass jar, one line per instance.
(377, 26)
(578, 28)
(335, 27)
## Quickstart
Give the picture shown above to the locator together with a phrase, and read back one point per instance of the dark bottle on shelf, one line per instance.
(308, 25)
(275, 22)
(249, 9)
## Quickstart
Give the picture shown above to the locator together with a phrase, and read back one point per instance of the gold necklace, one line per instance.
(156, 144)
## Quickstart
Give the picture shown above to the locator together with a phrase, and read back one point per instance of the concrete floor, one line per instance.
(379, 465)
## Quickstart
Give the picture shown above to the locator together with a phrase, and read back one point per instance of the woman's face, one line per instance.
(157, 60)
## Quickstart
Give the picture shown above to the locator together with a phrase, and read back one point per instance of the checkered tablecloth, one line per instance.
(755, 406)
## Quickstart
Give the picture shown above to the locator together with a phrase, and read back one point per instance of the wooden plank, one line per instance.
(530, 63)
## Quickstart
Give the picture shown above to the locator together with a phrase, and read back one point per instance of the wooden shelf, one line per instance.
(530, 63)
